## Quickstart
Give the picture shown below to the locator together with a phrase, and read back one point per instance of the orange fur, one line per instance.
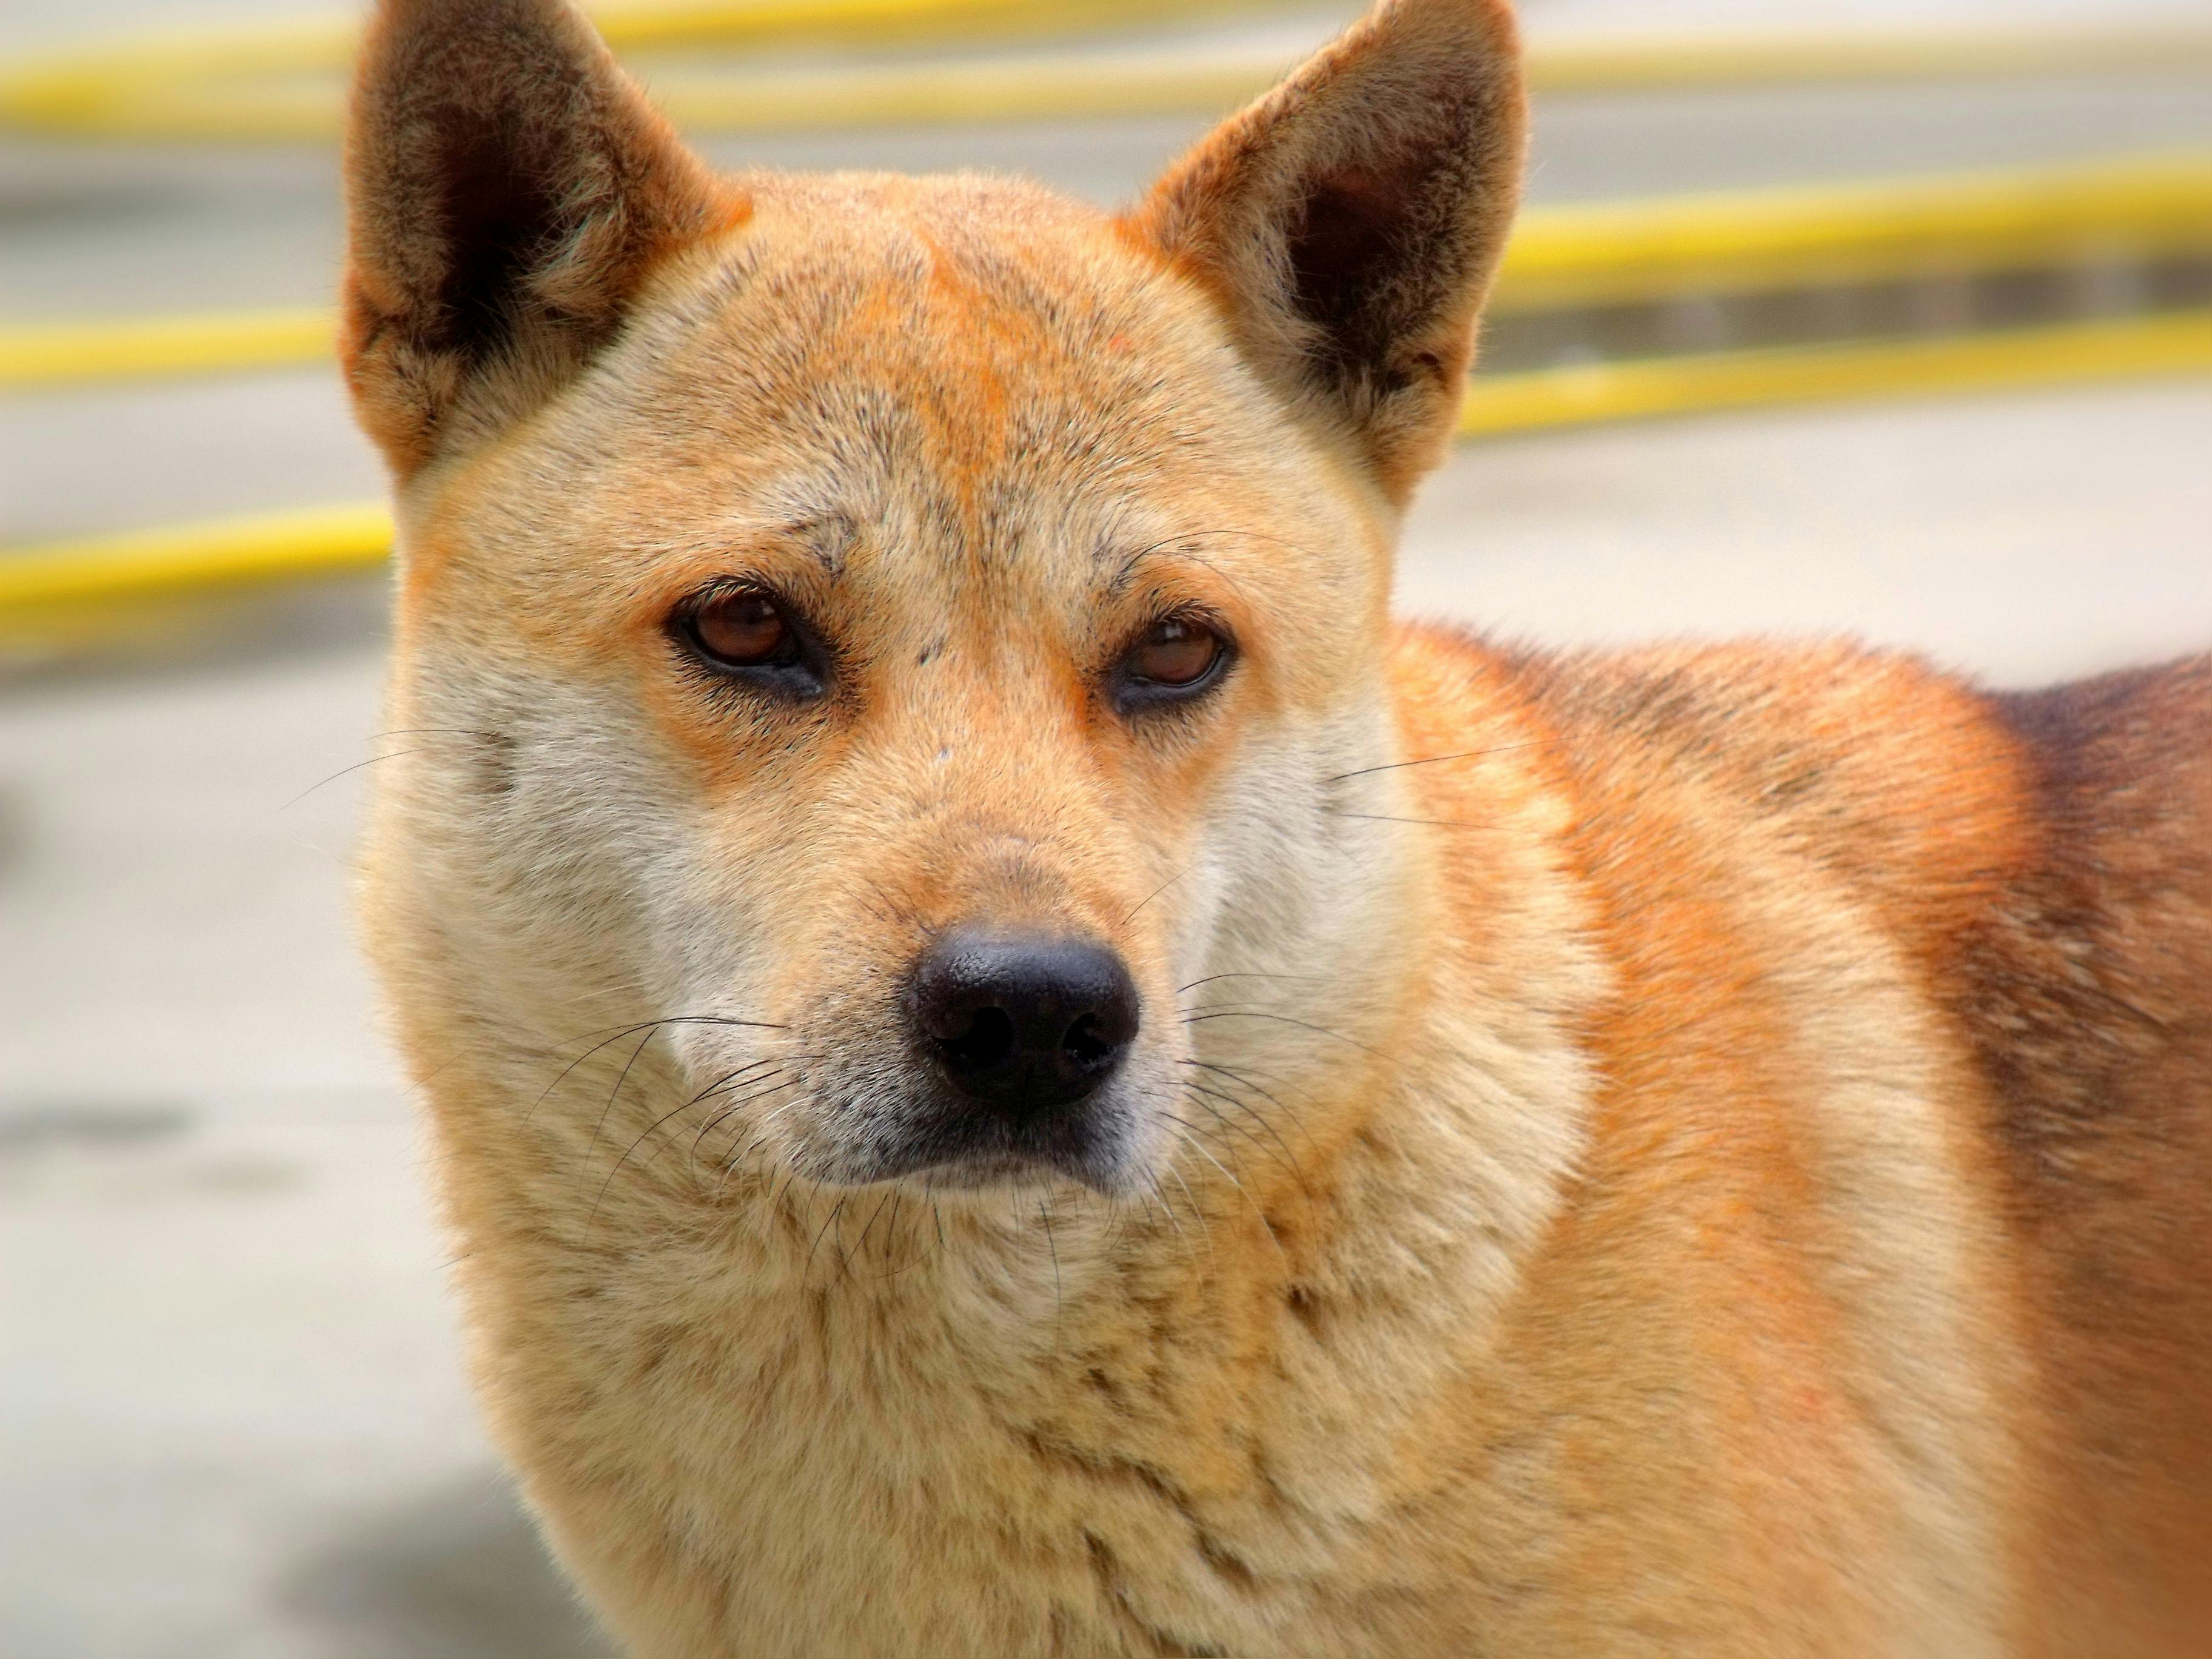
(1702, 1150)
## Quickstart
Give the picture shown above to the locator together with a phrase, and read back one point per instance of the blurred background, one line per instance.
(1891, 317)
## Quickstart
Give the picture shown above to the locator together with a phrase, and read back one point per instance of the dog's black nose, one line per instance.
(1024, 1023)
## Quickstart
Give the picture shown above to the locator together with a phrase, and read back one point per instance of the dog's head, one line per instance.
(904, 637)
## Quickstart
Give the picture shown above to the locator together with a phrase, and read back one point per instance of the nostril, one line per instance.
(986, 1039)
(1087, 1044)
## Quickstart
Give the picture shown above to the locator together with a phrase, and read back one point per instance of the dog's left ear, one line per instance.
(1351, 220)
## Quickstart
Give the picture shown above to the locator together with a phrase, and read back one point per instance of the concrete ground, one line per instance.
(232, 1422)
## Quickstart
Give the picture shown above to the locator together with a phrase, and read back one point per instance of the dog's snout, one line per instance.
(1024, 1023)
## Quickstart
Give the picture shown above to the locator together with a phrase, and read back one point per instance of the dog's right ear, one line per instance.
(508, 189)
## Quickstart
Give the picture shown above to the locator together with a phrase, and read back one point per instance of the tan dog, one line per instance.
(1019, 1073)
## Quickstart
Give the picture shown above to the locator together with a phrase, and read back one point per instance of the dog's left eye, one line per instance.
(1176, 657)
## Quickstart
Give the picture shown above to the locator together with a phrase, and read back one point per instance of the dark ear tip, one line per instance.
(477, 13)
(1482, 34)
(402, 35)
(1488, 30)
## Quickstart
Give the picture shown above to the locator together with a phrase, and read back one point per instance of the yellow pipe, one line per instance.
(1561, 257)
(1758, 241)
(2171, 343)
(195, 558)
(1069, 88)
(60, 354)
(42, 587)
(1810, 57)
(281, 84)
(664, 25)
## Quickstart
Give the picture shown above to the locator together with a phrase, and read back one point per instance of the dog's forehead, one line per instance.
(971, 358)
(967, 321)
(872, 247)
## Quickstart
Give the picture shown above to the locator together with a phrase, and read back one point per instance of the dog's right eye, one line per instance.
(742, 630)
(748, 635)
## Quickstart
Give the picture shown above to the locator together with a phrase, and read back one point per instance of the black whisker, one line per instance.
(347, 771)
(1384, 818)
(1157, 890)
(1438, 760)
(651, 1130)
(1239, 1080)
(1198, 1144)
(836, 1209)
(1044, 1214)
(1309, 978)
(1284, 1157)
(1238, 1077)
(1131, 561)
(1197, 1210)
(648, 1026)
(760, 1087)
(615, 1093)
(732, 1107)
(862, 1242)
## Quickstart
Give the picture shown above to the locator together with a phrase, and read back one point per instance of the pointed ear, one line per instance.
(1351, 220)
(508, 191)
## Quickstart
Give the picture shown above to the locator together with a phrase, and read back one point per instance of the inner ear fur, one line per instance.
(1350, 222)
(508, 189)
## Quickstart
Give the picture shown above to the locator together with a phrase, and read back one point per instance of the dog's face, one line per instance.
(912, 620)
(904, 636)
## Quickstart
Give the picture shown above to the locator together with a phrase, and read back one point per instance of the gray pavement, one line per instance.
(232, 1422)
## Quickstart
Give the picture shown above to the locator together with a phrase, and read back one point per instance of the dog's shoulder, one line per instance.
(1895, 779)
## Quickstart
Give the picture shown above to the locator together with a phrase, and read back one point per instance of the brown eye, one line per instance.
(753, 638)
(1178, 654)
(742, 630)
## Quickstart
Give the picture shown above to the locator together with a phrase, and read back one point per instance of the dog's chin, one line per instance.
(947, 1152)
(980, 1174)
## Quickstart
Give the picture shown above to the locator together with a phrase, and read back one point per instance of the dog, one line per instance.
(1018, 1071)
